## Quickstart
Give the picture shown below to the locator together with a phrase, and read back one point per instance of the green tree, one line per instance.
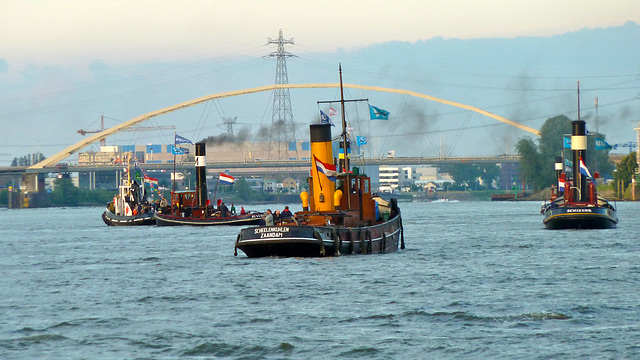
(28, 160)
(552, 133)
(470, 173)
(243, 189)
(530, 164)
(537, 162)
(624, 171)
(64, 193)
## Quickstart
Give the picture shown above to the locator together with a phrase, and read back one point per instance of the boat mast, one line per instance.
(344, 142)
(347, 186)
(579, 149)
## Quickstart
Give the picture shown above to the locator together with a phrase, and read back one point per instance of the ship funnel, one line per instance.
(201, 173)
(559, 166)
(322, 167)
(579, 150)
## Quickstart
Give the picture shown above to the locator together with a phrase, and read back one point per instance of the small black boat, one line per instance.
(190, 207)
(130, 206)
(340, 215)
(112, 219)
(252, 218)
(576, 204)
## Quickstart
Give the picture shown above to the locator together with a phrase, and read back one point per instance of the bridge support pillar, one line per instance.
(32, 193)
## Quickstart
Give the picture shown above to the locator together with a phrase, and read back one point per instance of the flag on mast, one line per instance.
(377, 113)
(150, 180)
(324, 119)
(182, 140)
(583, 168)
(226, 178)
(327, 169)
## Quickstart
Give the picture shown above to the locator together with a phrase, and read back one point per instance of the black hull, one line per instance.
(580, 217)
(242, 220)
(319, 241)
(112, 219)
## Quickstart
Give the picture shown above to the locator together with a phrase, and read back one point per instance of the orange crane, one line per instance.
(137, 128)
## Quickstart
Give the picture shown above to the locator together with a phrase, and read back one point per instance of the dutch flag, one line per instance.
(226, 178)
(583, 168)
(327, 169)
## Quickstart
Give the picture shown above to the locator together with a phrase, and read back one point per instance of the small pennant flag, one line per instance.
(333, 112)
(602, 145)
(361, 140)
(324, 119)
(378, 114)
(226, 178)
(150, 180)
(177, 151)
(182, 140)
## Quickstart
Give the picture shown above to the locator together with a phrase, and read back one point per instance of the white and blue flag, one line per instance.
(325, 119)
(182, 140)
(377, 113)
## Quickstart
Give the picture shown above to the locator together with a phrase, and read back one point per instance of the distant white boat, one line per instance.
(442, 200)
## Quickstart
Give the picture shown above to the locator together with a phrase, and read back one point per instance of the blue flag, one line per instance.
(361, 140)
(177, 151)
(324, 119)
(182, 140)
(602, 145)
(567, 142)
(378, 114)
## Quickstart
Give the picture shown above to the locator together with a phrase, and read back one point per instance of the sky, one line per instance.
(58, 57)
(122, 31)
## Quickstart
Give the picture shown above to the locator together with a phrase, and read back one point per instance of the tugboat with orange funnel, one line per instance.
(576, 204)
(190, 207)
(340, 215)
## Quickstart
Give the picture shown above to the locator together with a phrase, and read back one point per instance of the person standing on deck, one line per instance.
(268, 218)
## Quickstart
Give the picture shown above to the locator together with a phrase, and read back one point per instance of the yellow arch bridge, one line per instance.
(51, 161)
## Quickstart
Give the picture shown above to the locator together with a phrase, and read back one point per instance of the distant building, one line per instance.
(509, 176)
(402, 178)
(389, 178)
(290, 185)
(255, 182)
(226, 151)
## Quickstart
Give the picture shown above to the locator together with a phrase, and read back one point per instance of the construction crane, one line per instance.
(136, 128)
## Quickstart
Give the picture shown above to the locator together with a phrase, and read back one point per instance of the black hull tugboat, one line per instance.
(576, 204)
(173, 220)
(190, 207)
(340, 215)
(112, 219)
(129, 206)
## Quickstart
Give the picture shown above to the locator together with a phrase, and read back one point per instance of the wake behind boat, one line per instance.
(340, 215)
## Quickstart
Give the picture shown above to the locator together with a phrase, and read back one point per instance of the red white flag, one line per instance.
(226, 178)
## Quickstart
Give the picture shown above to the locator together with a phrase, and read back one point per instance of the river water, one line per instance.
(476, 280)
